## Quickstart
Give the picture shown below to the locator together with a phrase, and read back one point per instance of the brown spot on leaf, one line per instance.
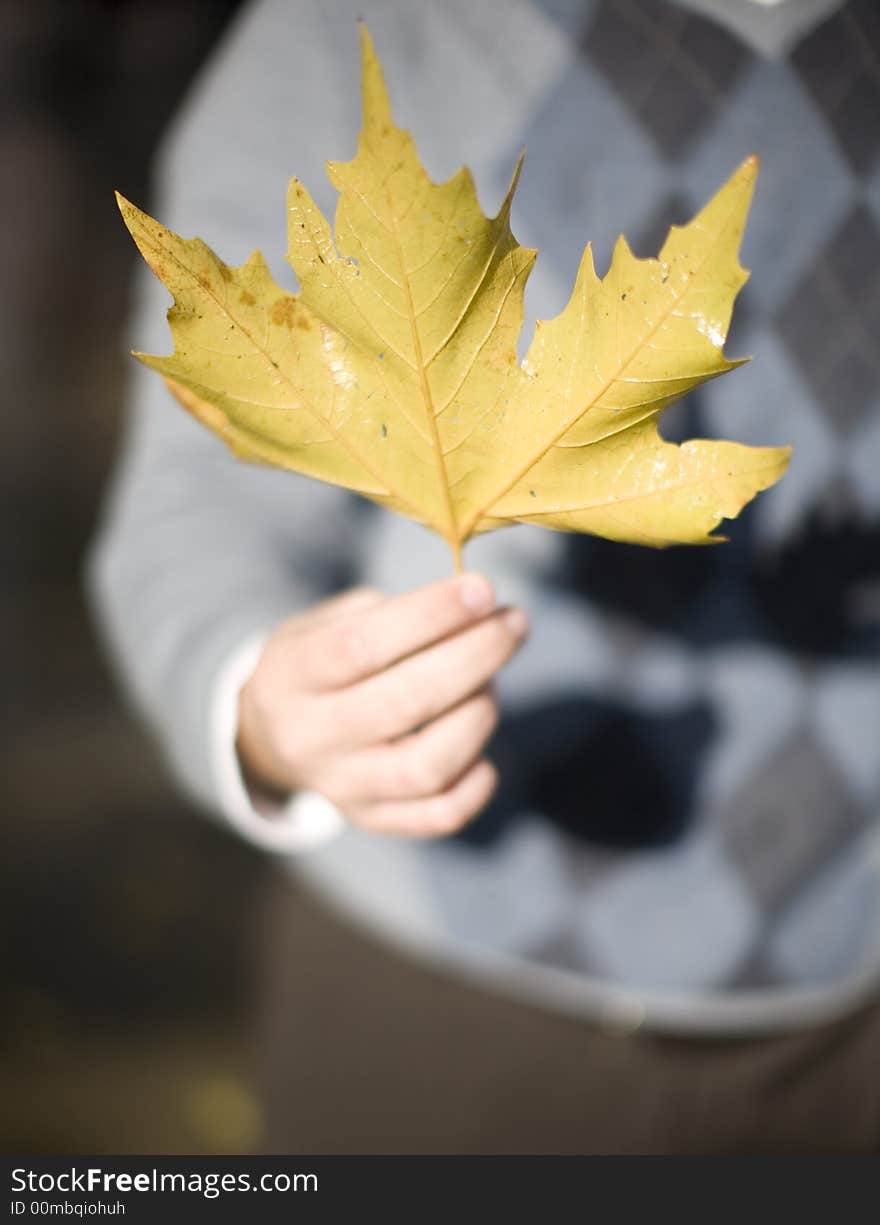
(286, 312)
(225, 273)
(247, 299)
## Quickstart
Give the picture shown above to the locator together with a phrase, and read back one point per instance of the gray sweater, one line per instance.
(687, 832)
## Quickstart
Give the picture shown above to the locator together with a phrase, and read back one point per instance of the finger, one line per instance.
(421, 764)
(346, 602)
(414, 692)
(439, 814)
(351, 601)
(352, 648)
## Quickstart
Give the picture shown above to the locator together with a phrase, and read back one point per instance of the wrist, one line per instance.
(259, 766)
(264, 813)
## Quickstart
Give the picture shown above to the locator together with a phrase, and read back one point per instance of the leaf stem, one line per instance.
(455, 545)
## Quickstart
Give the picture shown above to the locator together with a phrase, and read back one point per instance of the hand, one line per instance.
(381, 704)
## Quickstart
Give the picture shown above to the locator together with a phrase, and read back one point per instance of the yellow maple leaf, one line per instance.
(393, 371)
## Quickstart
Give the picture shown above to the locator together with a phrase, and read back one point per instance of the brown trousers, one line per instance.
(361, 1050)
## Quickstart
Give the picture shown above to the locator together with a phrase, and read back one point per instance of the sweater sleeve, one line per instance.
(197, 555)
(196, 558)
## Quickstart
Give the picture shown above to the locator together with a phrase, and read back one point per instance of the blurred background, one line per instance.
(126, 915)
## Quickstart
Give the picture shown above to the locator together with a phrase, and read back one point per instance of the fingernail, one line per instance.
(517, 622)
(475, 593)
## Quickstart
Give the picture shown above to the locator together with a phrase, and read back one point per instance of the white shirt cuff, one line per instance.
(303, 821)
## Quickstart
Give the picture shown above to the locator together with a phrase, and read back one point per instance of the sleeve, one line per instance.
(198, 556)
(196, 559)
